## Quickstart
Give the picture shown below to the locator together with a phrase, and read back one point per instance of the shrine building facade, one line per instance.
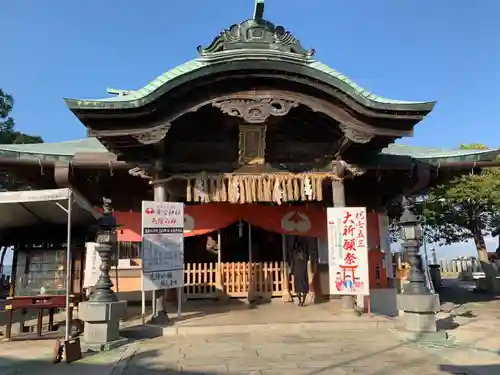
(257, 137)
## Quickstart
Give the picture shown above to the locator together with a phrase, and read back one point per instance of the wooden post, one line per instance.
(250, 266)
(285, 272)
(338, 191)
(13, 272)
(159, 300)
(218, 272)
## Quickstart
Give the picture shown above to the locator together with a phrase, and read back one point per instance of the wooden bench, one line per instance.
(39, 303)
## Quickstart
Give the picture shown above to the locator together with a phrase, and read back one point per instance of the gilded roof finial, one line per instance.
(258, 12)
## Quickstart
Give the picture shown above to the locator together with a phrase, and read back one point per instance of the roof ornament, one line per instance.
(256, 34)
(258, 12)
(119, 92)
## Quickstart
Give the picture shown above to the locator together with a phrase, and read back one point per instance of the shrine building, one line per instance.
(257, 137)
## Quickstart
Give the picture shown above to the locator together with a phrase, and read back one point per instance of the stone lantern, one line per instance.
(102, 312)
(418, 303)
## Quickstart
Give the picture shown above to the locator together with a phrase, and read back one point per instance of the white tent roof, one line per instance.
(34, 207)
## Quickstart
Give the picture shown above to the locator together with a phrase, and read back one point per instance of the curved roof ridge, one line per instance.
(432, 152)
(362, 91)
(137, 98)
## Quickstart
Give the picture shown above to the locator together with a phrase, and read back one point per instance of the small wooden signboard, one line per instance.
(72, 350)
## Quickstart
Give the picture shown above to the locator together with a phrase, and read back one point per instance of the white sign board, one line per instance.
(92, 264)
(348, 251)
(162, 245)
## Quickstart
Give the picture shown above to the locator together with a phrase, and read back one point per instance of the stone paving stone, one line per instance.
(374, 352)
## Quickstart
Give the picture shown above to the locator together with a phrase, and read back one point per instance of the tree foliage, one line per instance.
(464, 208)
(8, 133)
(473, 146)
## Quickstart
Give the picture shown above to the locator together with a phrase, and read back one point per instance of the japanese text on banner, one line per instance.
(348, 251)
(162, 245)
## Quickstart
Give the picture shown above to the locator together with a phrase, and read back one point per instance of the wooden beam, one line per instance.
(333, 111)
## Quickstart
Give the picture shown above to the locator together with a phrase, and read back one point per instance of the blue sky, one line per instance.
(410, 50)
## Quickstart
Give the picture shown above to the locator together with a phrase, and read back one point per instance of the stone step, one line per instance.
(360, 324)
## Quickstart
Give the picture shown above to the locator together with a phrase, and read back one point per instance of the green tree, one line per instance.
(9, 135)
(466, 207)
(473, 146)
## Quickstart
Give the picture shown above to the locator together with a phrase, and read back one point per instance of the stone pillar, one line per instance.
(338, 191)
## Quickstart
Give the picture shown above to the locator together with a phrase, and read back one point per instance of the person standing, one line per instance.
(299, 271)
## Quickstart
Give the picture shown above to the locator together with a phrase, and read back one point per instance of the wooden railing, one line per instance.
(206, 280)
(200, 280)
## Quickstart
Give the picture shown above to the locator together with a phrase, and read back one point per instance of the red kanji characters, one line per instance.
(347, 218)
(350, 259)
(348, 225)
(348, 231)
(349, 244)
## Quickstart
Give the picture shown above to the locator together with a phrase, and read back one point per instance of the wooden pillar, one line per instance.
(338, 191)
(159, 298)
(250, 265)
(13, 272)
(317, 293)
(285, 272)
(221, 295)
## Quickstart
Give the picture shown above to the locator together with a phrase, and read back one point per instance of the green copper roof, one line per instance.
(52, 151)
(57, 148)
(437, 155)
(67, 150)
(255, 44)
(137, 98)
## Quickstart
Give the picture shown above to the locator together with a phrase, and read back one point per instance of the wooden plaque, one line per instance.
(72, 350)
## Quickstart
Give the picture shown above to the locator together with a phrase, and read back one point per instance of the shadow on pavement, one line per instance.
(471, 370)
(448, 323)
(145, 363)
(461, 292)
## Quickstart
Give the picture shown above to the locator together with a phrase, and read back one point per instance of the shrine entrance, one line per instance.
(239, 261)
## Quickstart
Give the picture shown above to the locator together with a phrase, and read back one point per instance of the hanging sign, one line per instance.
(92, 264)
(348, 251)
(162, 245)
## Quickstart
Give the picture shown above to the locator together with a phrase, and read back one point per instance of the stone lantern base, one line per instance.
(102, 324)
(420, 317)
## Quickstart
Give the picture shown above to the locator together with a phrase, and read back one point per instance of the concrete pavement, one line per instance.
(368, 351)
(292, 344)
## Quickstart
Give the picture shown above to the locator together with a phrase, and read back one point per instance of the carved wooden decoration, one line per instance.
(255, 111)
(139, 172)
(355, 135)
(153, 135)
(252, 144)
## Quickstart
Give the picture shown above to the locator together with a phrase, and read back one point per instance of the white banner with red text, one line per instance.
(348, 251)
